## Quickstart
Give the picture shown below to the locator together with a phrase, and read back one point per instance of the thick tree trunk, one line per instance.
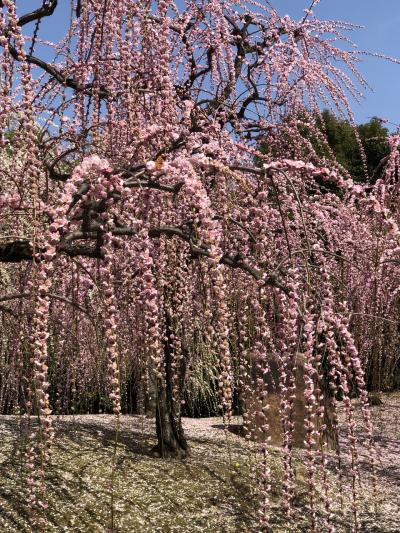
(170, 435)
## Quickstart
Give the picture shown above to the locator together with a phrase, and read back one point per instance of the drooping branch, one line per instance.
(233, 261)
(239, 41)
(18, 251)
(15, 252)
(23, 295)
(5, 309)
(59, 76)
(46, 10)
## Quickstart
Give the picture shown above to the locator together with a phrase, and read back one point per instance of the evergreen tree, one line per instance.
(342, 138)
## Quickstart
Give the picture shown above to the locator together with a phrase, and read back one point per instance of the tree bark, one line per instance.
(170, 435)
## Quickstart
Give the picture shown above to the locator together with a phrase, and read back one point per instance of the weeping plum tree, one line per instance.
(138, 212)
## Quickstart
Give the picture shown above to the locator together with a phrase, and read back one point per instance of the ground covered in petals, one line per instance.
(212, 491)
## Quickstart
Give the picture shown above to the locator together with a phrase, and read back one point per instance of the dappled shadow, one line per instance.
(236, 429)
(135, 439)
(214, 482)
(82, 444)
(13, 492)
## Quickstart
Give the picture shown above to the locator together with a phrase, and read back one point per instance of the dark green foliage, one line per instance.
(342, 139)
(336, 141)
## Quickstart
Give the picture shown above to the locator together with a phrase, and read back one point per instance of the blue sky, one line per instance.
(381, 34)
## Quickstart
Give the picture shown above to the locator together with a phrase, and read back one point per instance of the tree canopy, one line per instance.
(149, 242)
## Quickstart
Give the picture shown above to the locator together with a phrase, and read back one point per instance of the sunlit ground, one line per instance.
(212, 491)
